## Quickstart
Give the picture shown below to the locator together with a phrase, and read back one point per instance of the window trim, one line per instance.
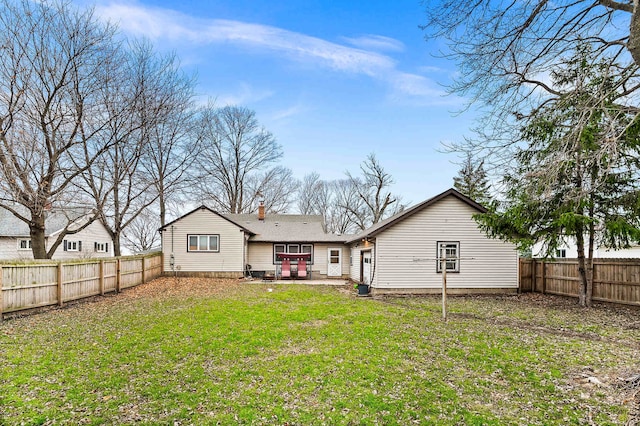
(286, 246)
(198, 236)
(101, 247)
(28, 241)
(456, 268)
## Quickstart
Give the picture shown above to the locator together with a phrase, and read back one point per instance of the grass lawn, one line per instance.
(196, 351)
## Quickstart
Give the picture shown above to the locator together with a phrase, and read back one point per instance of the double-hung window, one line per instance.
(24, 244)
(203, 243)
(448, 252)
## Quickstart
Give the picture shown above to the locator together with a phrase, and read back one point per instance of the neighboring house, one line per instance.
(398, 254)
(569, 249)
(91, 242)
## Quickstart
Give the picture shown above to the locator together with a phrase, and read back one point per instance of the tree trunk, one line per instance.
(36, 232)
(634, 34)
(582, 269)
(115, 238)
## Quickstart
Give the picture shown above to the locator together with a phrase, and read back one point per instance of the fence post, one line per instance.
(534, 274)
(118, 275)
(60, 302)
(101, 278)
(1, 301)
(544, 277)
(144, 270)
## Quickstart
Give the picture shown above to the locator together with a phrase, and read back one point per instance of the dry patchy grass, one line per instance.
(202, 351)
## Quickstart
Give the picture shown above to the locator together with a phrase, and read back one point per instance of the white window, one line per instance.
(449, 251)
(72, 245)
(208, 243)
(101, 247)
(24, 244)
(561, 253)
(291, 249)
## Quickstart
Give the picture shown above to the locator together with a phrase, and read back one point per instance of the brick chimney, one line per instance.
(261, 211)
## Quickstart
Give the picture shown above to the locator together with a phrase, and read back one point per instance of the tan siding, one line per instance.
(406, 252)
(261, 257)
(230, 258)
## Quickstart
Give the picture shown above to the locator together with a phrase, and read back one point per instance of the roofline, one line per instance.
(203, 207)
(417, 208)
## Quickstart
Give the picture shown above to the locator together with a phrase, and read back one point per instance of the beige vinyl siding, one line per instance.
(93, 233)
(261, 257)
(229, 258)
(354, 270)
(405, 253)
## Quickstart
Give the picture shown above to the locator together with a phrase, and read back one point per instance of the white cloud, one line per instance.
(164, 24)
(375, 42)
(244, 95)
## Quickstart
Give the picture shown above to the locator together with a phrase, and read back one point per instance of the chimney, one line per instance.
(261, 211)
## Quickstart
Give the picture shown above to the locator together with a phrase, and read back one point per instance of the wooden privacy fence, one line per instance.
(41, 284)
(614, 280)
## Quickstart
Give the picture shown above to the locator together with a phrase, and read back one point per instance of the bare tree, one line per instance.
(505, 52)
(172, 145)
(54, 61)
(372, 189)
(276, 187)
(121, 182)
(142, 233)
(235, 148)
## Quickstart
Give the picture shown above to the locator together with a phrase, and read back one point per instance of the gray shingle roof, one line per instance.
(11, 226)
(286, 228)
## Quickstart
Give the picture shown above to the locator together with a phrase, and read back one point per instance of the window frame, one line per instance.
(299, 247)
(456, 261)
(561, 253)
(199, 240)
(101, 247)
(28, 244)
(72, 246)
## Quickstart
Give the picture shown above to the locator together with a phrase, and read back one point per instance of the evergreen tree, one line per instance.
(577, 175)
(472, 181)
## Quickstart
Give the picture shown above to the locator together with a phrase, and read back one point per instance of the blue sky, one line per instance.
(333, 81)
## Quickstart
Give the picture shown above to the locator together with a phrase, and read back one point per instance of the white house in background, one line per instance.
(398, 254)
(569, 249)
(91, 242)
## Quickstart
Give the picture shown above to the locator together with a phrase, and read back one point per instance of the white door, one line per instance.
(366, 267)
(334, 262)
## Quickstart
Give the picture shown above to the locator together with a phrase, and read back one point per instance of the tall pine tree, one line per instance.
(472, 181)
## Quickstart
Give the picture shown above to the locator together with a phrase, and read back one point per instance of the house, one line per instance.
(206, 243)
(93, 241)
(403, 253)
(569, 249)
(398, 254)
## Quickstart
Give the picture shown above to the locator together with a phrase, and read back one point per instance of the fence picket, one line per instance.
(28, 286)
(614, 280)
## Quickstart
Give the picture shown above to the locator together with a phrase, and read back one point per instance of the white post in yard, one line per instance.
(443, 267)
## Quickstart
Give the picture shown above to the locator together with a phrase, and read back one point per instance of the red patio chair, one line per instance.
(302, 268)
(286, 268)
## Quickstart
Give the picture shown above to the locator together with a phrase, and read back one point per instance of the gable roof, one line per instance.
(287, 228)
(57, 219)
(390, 221)
(203, 207)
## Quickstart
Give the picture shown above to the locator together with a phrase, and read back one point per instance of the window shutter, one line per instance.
(79, 245)
(106, 247)
(95, 246)
(64, 245)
